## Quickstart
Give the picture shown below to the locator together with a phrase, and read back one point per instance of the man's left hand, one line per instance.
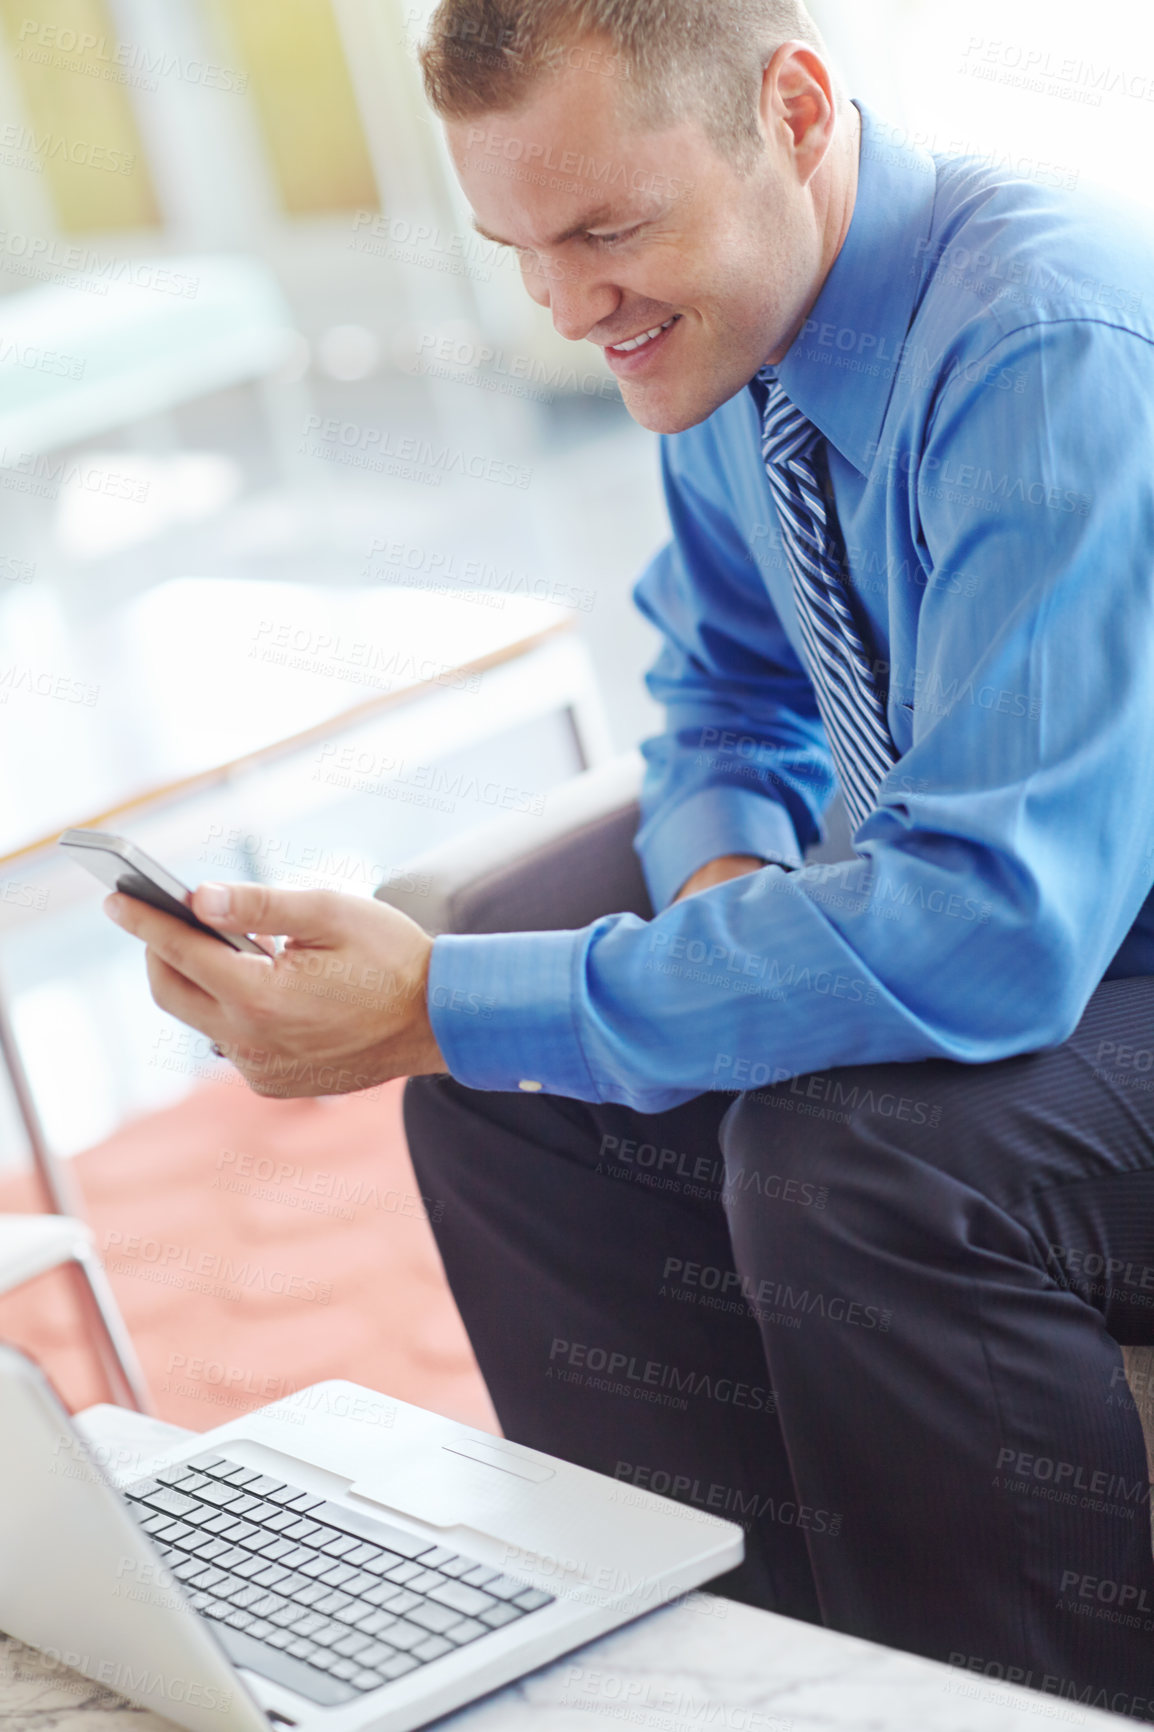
(343, 1007)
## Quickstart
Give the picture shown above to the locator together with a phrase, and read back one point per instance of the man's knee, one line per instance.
(809, 1126)
(885, 1141)
(820, 1158)
(775, 1156)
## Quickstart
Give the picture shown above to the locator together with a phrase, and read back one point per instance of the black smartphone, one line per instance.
(121, 865)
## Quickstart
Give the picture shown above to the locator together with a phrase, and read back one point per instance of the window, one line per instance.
(78, 128)
(300, 87)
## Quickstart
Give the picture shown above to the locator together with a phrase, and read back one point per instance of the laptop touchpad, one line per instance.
(505, 1460)
(470, 1483)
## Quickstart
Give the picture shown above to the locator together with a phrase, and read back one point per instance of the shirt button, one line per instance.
(530, 1088)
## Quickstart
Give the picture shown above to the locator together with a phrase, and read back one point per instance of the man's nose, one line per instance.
(577, 303)
(578, 306)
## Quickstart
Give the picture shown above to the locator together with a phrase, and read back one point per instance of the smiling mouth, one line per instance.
(640, 342)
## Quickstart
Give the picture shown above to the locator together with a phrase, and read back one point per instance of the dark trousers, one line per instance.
(873, 1315)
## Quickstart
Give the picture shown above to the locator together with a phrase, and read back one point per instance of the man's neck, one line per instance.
(847, 173)
(844, 163)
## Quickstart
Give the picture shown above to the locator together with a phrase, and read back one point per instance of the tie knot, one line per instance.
(787, 433)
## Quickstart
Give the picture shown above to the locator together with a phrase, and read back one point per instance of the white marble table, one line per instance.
(703, 1665)
(707, 1663)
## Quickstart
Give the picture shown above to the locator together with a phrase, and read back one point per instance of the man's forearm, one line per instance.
(720, 871)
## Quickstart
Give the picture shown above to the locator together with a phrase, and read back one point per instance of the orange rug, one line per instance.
(255, 1247)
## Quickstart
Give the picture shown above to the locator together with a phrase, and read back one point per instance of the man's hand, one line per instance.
(343, 1006)
(719, 871)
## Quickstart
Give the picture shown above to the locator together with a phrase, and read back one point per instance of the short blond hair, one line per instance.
(674, 57)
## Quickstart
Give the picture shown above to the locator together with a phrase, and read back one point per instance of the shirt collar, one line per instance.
(840, 370)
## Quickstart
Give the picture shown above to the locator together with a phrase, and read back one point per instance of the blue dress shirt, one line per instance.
(981, 363)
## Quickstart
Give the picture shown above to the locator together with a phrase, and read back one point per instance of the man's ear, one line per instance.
(798, 106)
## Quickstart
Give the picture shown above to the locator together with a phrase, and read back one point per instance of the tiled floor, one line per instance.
(256, 1247)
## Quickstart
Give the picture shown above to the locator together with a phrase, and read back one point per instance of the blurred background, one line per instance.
(316, 546)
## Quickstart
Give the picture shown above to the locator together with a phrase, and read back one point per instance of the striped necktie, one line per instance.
(848, 701)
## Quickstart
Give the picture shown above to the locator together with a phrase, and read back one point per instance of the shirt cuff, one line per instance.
(710, 823)
(502, 1006)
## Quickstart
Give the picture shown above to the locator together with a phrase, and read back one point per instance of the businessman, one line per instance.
(824, 1199)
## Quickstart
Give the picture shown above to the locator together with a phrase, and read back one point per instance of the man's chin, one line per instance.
(671, 411)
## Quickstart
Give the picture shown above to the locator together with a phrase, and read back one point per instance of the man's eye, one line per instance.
(612, 240)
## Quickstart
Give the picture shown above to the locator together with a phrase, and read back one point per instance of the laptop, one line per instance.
(338, 1559)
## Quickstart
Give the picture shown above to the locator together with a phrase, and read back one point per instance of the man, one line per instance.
(909, 461)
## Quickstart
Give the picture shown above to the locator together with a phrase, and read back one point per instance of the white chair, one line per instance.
(30, 1245)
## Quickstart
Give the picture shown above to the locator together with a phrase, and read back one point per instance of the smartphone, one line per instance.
(122, 866)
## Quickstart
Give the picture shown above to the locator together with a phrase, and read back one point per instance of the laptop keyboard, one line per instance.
(310, 1594)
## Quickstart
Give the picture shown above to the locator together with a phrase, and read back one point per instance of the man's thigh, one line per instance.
(982, 1249)
(1059, 1143)
(566, 1231)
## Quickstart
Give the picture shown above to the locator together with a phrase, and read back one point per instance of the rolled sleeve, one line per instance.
(708, 824)
(743, 766)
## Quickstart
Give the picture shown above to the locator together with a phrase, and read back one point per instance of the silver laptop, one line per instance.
(337, 1559)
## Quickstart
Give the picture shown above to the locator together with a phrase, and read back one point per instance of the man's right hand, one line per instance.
(344, 1006)
(719, 871)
